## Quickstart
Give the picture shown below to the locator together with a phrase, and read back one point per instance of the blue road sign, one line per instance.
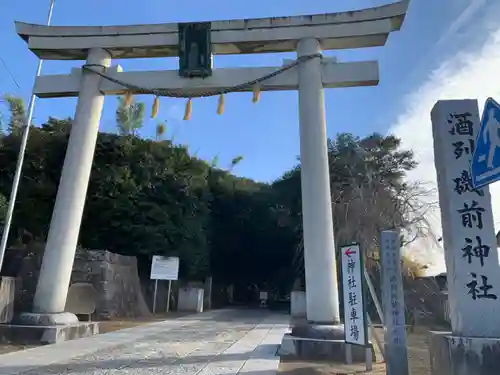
(485, 164)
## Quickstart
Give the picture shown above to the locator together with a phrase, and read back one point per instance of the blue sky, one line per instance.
(266, 134)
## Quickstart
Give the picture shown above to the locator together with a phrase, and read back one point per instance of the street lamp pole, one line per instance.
(20, 157)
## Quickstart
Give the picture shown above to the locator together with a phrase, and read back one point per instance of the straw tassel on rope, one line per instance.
(256, 94)
(128, 99)
(220, 105)
(187, 111)
(160, 130)
(156, 106)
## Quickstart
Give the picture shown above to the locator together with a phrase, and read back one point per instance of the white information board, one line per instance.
(353, 291)
(164, 268)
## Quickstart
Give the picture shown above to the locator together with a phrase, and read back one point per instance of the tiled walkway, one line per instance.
(223, 342)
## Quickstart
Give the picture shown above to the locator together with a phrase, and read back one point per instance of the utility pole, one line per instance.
(20, 157)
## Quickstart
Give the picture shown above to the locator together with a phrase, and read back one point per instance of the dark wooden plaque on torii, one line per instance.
(195, 51)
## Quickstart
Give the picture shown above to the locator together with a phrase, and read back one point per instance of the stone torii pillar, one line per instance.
(322, 301)
(64, 229)
(57, 265)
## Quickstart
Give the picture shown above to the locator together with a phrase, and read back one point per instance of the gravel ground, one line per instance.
(206, 344)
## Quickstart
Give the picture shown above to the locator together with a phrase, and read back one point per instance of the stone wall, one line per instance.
(114, 277)
(116, 281)
(7, 293)
(27, 274)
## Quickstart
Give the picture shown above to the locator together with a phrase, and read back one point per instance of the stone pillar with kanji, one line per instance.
(470, 250)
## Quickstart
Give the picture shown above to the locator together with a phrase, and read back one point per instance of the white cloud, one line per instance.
(460, 21)
(473, 73)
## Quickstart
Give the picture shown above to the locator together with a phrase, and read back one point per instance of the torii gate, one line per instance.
(308, 35)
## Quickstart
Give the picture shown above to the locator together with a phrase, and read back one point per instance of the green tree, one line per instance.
(129, 116)
(3, 208)
(18, 118)
(368, 190)
(151, 197)
(56, 126)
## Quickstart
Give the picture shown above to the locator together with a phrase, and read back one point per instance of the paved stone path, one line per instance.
(222, 342)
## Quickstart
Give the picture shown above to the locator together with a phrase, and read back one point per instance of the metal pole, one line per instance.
(154, 296)
(375, 336)
(20, 157)
(168, 294)
(348, 354)
(373, 294)
(368, 358)
(210, 292)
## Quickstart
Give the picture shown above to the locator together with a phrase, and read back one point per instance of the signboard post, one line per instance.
(396, 353)
(164, 268)
(353, 286)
